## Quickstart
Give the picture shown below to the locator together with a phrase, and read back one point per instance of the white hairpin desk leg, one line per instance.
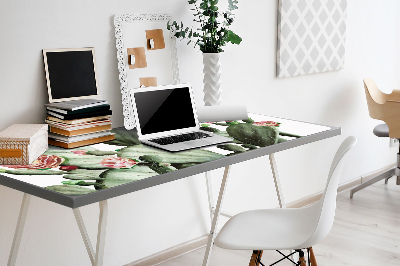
(277, 182)
(19, 229)
(215, 217)
(95, 258)
(101, 233)
(210, 194)
(85, 236)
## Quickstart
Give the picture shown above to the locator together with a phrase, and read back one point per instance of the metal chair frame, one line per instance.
(301, 261)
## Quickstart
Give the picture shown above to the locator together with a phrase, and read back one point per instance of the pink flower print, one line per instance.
(42, 162)
(68, 167)
(118, 162)
(80, 152)
(266, 123)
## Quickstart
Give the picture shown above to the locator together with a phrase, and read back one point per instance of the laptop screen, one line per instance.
(164, 110)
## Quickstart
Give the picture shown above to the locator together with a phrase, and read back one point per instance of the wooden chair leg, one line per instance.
(313, 260)
(255, 258)
(302, 259)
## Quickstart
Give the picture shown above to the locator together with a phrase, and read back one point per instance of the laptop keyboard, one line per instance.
(180, 138)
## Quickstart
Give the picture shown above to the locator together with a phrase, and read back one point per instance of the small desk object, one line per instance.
(96, 173)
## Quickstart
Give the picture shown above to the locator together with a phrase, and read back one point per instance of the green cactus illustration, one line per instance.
(231, 147)
(84, 170)
(124, 137)
(84, 174)
(210, 129)
(86, 162)
(191, 156)
(256, 135)
(224, 133)
(151, 158)
(248, 120)
(183, 165)
(155, 163)
(101, 153)
(116, 177)
(70, 189)
(249, 146)
(79, 182)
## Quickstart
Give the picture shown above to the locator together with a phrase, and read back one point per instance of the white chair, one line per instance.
(287, 229)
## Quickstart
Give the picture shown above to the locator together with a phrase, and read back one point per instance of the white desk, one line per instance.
(94, 180)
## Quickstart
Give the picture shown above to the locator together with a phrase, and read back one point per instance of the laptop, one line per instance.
(166, 118)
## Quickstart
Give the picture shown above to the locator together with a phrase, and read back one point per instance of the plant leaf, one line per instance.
(214, 8)
(233, 38)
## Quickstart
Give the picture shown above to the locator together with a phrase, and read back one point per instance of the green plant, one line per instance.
(214, 31)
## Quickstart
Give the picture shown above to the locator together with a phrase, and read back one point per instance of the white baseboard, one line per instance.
(172, 252)
(200, 242)
(342, 187)
(369, 176)
(315, 197)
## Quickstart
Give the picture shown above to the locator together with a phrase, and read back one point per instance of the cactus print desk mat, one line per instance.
(100, 166)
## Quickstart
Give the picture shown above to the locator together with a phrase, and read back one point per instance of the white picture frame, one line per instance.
(163, 64)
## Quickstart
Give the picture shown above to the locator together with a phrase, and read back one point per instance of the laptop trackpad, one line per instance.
(198, 142)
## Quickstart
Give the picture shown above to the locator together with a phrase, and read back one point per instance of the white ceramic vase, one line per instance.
(212, 75)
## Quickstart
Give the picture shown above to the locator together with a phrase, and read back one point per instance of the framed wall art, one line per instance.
(311, 36)
(146, 53)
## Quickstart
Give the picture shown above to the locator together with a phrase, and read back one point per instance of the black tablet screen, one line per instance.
(71, 74)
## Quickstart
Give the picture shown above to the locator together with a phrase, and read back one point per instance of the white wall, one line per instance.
(146, 222)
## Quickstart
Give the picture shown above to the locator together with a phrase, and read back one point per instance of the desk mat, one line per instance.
(100, 166)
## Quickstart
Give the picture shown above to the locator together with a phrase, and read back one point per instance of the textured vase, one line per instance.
(212, 75)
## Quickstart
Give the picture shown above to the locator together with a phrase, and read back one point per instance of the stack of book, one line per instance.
(78, 123)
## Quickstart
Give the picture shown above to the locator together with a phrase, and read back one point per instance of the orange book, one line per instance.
(80, 143)
(78, 121)
(79, 131)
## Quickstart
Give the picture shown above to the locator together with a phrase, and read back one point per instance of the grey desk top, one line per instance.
(90, 174)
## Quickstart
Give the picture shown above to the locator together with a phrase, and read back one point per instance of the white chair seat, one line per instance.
(269, 229)
(296, 229)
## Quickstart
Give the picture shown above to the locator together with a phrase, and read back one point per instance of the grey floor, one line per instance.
(366, 232)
